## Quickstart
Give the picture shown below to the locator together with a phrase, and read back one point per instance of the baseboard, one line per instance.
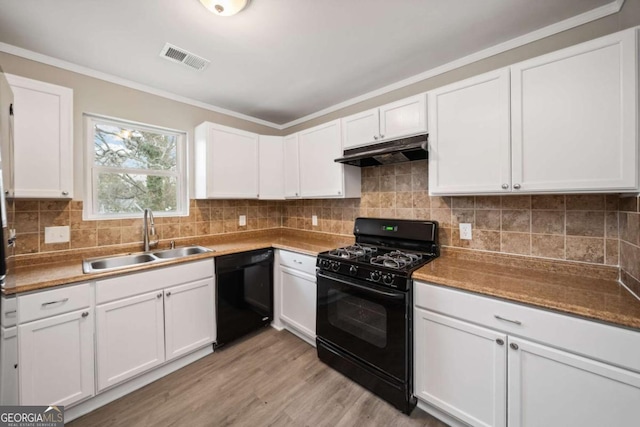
(303, 336)
(121, 390)
(442, 416)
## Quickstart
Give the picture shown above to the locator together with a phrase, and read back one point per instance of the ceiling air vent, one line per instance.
(181, 56)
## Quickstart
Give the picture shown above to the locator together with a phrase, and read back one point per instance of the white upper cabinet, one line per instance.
(574, 116)
(226, 162)
(320, 175)
(271, 167)
(402, 118)
(565, 122)
(291, 167)
(43, 139)
(470, 135)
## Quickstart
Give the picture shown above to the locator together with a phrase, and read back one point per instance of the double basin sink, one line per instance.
(96, 265)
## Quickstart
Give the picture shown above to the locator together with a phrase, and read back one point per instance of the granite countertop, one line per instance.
(589, 291)
(585, 290)
(60, 271)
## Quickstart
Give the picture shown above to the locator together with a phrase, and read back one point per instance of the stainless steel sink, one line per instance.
(93, 265)
(181, 252)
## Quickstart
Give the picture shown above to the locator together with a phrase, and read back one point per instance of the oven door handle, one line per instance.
(392, 295)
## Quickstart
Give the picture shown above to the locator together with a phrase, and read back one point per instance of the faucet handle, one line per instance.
(172, 244)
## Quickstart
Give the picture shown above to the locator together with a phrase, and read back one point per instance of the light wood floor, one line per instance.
(269, 379)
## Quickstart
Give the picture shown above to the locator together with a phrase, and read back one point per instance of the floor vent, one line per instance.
(181, 56)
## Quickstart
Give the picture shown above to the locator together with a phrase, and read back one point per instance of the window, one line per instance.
(131, 166)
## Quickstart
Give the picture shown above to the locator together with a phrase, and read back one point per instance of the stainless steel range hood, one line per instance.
(384, 153)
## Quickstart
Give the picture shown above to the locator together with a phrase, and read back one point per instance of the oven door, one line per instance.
(368, 321)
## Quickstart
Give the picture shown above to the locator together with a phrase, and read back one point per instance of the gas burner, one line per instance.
(359, 250)
(342, 253)
(405, 256)
(396, 259)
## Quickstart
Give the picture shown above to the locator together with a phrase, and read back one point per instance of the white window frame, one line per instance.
(90, 205)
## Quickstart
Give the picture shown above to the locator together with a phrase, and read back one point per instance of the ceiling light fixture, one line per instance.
(225, 7)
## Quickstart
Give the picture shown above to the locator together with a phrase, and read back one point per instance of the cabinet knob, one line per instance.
(296, 194)
(516, 186)
(159, 295)
(339, 192)
(381, 136)
(514, 346)
(6, 193)
(168, 294)
(65, 193)
(505, 186)
(85, 314)
(500, 341)
(257, 195)
(375, 137)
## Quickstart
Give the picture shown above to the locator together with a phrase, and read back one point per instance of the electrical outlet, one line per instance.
(314, 220)
(465, 231)
(242, 220)
(56, 234)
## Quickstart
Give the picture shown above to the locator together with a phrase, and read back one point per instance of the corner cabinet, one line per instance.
(271, 184)
(487, 362)
(403, 118)
(565, 122)
(320, 175)
(226, 163)
(43, 139)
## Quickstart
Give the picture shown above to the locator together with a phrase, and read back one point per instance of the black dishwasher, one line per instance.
(244, 293)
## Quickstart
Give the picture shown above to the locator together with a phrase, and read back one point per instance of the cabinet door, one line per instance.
(189, 317)
(56, 359)
(43, 138)
(9, 366)
(130, 337)
(232, 163)
(404, 118)
(574, 116)
(549, 387)
(461, 368)
(298, 300)
(271, 167)
(320, 175)
(469, 139)
(291, 167)
(360, 129)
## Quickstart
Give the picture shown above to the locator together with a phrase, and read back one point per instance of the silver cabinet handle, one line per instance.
(159, 295)
(517, 322)
(339, 192)
(514, 346)
(297, 262)
(505, 186)
(375, 137)
(168, 294)
(381, 136)
(85, 314)
(11, 313)
(500, 341)
(55, 302)
(296, 194)
(65, 193)
(516, 186)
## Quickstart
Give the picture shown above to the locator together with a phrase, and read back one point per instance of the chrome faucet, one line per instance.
(148, 230)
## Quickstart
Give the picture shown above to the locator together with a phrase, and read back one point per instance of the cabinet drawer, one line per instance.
(50, 303)
(9, 313)
(298, 261)
(150, 280)
(614, 345)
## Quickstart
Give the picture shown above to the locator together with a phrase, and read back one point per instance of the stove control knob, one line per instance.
(324, 263)
(353, 270)
(387, 279)
(335, 266)
(375, 276)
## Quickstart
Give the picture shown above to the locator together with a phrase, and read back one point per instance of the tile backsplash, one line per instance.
(599, 229)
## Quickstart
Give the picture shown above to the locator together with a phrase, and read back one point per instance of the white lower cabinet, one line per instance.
(9, 366)
(57, 359)
(550, 387)
(189, 317)
(130, 337)
(295, 294)
(469, 374)
(460, 368)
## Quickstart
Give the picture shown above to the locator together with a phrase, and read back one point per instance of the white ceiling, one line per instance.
(278, 60)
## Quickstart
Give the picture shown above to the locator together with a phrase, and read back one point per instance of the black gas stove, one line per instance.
(364, 308)
(387, 255)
